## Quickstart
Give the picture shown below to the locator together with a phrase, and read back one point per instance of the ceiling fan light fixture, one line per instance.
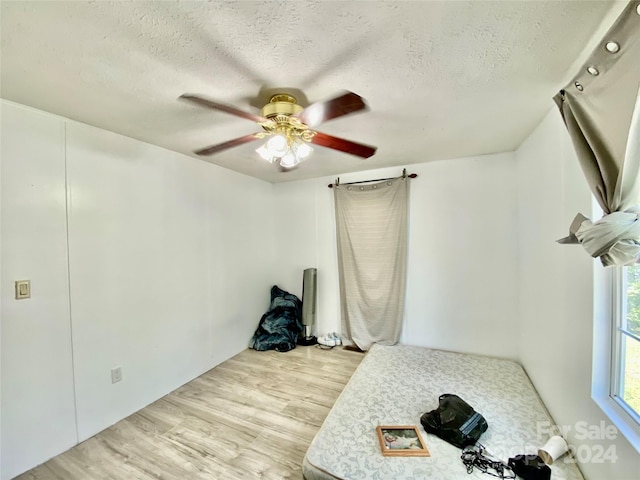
(290, 128)
(302, 150)
(287, 150)
(289, 160)
(278, 145)
(264, 153)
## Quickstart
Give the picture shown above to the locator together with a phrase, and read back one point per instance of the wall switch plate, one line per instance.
(116, 374)
(23, 289)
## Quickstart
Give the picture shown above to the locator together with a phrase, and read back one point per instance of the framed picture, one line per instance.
(401, 441)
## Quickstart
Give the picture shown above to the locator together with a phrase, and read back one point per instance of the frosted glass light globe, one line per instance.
(278, 146)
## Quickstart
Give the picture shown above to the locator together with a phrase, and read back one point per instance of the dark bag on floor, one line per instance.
(454, 421)
(280, 326)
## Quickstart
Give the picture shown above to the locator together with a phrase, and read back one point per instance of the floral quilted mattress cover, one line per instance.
(395, 385)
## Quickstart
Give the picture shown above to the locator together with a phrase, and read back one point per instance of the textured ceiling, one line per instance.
(442, 79)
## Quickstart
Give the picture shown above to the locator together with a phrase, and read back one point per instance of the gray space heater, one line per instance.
(309, 301)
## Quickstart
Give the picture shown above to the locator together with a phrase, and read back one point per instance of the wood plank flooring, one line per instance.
(252, 416)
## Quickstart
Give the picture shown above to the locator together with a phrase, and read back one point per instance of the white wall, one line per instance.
(37, 403)
(168, 272)
(557, 294)
(462, 251)
(305, 237)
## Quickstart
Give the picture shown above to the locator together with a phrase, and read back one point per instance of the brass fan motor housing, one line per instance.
(281, 104)
(280, 114)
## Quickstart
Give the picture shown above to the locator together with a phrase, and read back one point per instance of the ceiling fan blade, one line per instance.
(320, 112)
(347, 146)
(230, 144)
(222, 107)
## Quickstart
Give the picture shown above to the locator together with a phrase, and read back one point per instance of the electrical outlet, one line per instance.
(116, 374)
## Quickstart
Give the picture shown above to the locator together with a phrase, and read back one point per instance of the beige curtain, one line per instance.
(601, 110)
(371, 227)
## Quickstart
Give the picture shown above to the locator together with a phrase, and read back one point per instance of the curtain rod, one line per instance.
(404, 174)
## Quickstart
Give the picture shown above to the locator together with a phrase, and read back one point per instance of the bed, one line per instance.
(395, 385)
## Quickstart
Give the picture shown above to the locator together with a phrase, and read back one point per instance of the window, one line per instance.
(616, 348)
(625, 349)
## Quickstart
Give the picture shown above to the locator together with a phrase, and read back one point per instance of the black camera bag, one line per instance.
(454, 421)
(530, 467)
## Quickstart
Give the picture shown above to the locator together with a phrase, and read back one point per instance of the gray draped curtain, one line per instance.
(601, 110)
(371, 229)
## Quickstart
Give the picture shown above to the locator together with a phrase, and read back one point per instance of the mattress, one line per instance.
(395, 385)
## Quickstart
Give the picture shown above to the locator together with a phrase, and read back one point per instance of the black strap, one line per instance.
(476, 456)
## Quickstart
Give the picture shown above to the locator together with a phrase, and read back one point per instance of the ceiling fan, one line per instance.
(290, 127)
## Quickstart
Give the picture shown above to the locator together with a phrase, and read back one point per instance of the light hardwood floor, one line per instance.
(252, 416)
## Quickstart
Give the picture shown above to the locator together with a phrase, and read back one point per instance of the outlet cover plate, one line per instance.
(23, 289)
(116, 374)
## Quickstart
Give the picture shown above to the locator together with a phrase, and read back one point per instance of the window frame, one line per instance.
(608, 310)
(618, 346)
